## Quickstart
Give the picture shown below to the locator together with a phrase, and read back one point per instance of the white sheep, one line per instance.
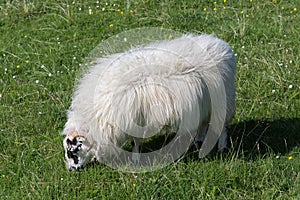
(134, 94)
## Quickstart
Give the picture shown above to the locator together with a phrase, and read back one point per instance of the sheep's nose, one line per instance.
(73, 168)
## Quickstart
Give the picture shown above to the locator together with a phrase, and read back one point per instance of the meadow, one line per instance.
(43, 45)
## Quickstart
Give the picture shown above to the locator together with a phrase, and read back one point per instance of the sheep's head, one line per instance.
(77, 151)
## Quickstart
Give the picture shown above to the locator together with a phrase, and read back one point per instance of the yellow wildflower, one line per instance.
(18, 66)
(204, 9)
(214, 9)
(295, 9)
(131, 11)
(290, 157)
(111, 25)
(27, 61)
(225, 1)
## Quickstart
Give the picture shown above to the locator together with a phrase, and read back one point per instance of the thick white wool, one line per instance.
(152, 86)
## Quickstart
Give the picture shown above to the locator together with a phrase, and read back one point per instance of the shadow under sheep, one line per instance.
(250, 139)
(262, 137)
(247, 140)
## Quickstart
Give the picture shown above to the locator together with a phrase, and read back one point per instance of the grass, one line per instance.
(42, 47)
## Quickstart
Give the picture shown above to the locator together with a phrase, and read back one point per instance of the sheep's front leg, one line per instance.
(135, 150)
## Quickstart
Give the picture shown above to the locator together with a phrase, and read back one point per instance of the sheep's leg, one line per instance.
(222, 142)
(135, 150)
(201, 134)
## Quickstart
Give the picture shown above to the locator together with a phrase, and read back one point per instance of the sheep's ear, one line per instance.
(73, 134)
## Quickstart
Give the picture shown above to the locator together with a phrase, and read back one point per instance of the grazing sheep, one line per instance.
(134, 94)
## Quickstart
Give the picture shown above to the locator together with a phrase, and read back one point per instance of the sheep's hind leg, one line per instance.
(222, 142)
(201, 134)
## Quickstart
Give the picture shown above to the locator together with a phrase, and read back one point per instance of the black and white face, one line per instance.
(77, 152)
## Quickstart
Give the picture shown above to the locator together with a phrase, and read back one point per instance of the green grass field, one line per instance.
(43, 45)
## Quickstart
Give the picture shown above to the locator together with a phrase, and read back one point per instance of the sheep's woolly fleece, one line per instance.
(136, 93)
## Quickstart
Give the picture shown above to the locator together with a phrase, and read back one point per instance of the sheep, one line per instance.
(186, 83)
